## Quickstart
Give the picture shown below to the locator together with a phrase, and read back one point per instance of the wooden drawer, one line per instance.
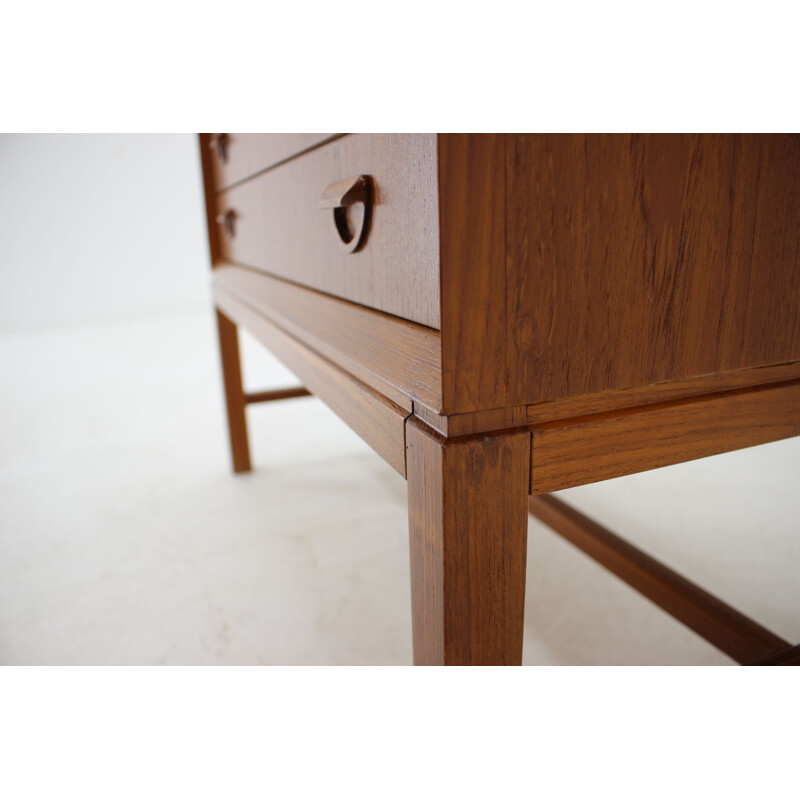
(278, 226)
(236, 156)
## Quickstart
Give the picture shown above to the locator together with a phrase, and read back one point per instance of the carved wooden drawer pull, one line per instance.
(341, 196)
(220, 142)
(228, 222)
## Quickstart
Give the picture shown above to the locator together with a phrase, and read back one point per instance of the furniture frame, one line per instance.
(510, 315)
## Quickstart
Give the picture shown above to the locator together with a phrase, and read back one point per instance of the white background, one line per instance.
(99, 228)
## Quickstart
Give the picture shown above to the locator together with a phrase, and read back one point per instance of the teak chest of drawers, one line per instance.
(504, 315)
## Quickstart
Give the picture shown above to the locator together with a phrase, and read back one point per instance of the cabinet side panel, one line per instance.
(639, 259)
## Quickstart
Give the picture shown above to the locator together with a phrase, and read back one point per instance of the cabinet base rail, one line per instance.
(736, 635)
(276, 394)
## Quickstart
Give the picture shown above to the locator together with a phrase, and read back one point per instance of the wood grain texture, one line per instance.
(378, 421)
(251, 153)
(473, 282)
(468, 535)
(638, 259)
(281, 229)
(235, 399)
(453, 425)
(736, 635)
(788, 657)
(617, 400)
(271, 395)
(212, 228)
(398, 359)
(589, 449)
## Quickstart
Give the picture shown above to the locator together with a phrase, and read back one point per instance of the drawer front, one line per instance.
(236, 156)
(279, 227)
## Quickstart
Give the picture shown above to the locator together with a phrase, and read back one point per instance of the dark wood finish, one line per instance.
(340, 196)
(638, 259)
(276, 394)
(249, 154)
(454, 425)
(473, 281)
(468, 535)
(234, 392)
(396, 358)
(280, 228)
(377, 420)
(531, 312)
(727, 629)
(787, 657)
(575, 452)
(212, 228)
(617, 400)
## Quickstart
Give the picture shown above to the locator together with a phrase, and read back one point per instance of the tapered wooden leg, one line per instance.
(234, 393)
(467, 501)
